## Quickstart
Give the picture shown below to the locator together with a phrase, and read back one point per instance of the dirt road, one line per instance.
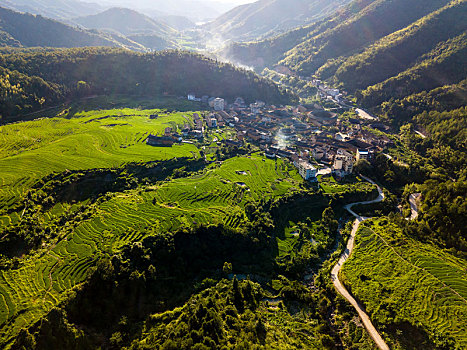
(345, 255)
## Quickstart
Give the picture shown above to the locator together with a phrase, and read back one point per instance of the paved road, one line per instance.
(345, 255)
(363, 114)
(420, 134)
(413, 205)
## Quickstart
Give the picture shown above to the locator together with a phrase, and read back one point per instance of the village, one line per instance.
(314, 139)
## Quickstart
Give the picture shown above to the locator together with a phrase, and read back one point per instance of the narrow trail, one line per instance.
(345, 255)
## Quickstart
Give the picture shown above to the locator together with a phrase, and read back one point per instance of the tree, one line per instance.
(227, 268)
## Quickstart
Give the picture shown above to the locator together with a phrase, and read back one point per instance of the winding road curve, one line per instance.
(345, 255)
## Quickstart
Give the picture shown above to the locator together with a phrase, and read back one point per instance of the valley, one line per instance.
(208, 175)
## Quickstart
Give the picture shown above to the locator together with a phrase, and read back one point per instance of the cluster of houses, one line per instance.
(304, 134)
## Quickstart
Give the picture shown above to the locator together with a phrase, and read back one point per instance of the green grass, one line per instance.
(288, 243)
(402, 280)
(32, 150)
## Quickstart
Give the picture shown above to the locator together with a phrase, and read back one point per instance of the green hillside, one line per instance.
(374, 21)
(404, 283)
(32, 31)
(126, 22)
(266, 17)
(153, 41)
(79, 73)
(444, 65)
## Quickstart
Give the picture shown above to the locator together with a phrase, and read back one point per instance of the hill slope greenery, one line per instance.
(378, 50)
(400, 279)
(26, 30)
(359, 24)
(269, 16)
(41, 78)
(100, 231)
(126, 22)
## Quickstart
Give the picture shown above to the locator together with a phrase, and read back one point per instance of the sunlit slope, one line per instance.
(103, 139)
(401, 280)
(215, 195)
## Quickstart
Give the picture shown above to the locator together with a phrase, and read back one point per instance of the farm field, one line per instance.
(214, 195)
(96, 139)
(402, 281)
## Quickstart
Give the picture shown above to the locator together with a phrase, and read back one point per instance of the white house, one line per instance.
(255, 108)
(343, 163)
(219, 104)
(333, 92)
(307, 171)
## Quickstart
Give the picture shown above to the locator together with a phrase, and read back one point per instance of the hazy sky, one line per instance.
(234, 1)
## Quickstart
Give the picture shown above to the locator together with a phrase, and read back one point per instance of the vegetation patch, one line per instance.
(405, 283)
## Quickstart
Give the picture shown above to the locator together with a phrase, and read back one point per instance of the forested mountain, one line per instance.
(152, 34)
(378, 50)
(176, 22)
(37, 78)
(359, 24)
(126, 22)
(266, 17)
(26, 30)
(153, 41)
(57, 9)
(376, 20)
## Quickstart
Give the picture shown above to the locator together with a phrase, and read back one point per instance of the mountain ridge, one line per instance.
(125, 21)
(265, 17)
(23, 29)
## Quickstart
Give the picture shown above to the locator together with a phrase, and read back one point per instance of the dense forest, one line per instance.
(35, 79)
(380, 51)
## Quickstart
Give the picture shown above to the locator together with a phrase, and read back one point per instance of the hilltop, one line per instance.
(56, 9)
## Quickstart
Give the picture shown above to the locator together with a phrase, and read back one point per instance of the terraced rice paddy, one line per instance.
(393, 274)
(42, 281)
(99, 139)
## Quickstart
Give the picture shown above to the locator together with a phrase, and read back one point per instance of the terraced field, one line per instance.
(98, 139)
(402, 280)
(216, 195)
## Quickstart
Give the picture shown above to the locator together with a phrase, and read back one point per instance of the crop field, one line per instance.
(88, 140)
(214, 195)
(427, 287)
